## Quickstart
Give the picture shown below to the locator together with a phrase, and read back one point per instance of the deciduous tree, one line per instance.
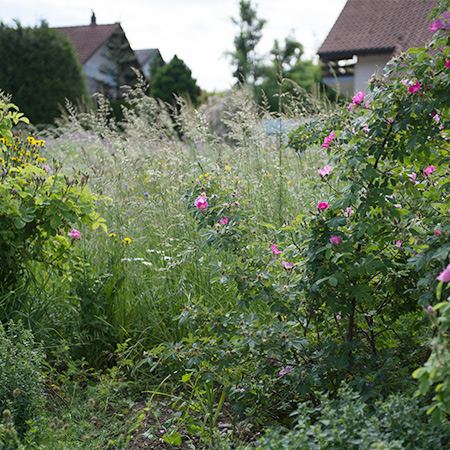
(40, 69)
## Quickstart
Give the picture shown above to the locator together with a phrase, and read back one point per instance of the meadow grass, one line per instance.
(150, 264)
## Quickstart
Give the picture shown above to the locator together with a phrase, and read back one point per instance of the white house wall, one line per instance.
(366, 66)
(95, 62)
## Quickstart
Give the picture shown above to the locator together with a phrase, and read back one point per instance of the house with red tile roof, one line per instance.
(366, 35)
(94, 44)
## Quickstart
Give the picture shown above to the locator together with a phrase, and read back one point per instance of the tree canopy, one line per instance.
(244, 56)
(40, 69)
(174, 78)
(274, 75)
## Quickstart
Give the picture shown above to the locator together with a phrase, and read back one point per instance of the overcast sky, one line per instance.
(199, 32)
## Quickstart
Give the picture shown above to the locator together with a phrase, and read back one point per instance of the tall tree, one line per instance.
(40, 68)
(174, 78)
(244, 56)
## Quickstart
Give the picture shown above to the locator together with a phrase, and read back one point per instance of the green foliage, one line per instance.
(174, 79)
(40, 69)
(347, 422)
(37, 210)
(21, 374)
(250, 33)
(340, 291)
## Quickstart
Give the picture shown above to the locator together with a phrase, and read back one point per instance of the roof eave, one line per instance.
(348, 54)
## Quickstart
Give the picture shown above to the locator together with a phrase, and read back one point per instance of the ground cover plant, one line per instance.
(286, 282)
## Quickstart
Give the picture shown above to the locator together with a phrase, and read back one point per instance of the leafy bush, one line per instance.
(21, 374)
(40, 80)
(346, 422)
(38, 209)
(340, 291)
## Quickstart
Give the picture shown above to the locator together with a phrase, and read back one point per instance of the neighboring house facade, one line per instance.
(149, 59)
(366, 35)
(105, 54)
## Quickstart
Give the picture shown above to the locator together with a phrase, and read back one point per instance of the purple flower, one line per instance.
(335, 239)
(287, 265)
(398, 243)
(285, 370)
(47, 169)
(430, 309)
(322, 206)
(201, 202)
(444, 275)
(338, 317)
(146, 195)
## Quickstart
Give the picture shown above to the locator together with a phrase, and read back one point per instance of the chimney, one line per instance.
(93, 20)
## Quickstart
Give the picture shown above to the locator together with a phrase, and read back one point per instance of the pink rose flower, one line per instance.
(413, 177)
(436, 232)
(398, 243)
(348, 212)
(328, 140)
(429, 170)
(338, 317)
(201, 202)
(274, 249)
(358, 98)
(441, 24)
(322, 206)
(325, 171)
(74, 234)
(223, 221)
(444, 275)
(447, 64)
(335, 239)
(285, 370)
(415, 88)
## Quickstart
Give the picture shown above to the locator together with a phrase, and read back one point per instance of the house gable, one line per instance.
(94, 45)
(372, 30)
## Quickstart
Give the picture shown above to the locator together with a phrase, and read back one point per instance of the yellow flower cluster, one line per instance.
(21, 153)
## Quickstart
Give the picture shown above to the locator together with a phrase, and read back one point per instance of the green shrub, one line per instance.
(40, 80)
(39, 206)
(21, 374)
(346, 422)
(9, 439)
